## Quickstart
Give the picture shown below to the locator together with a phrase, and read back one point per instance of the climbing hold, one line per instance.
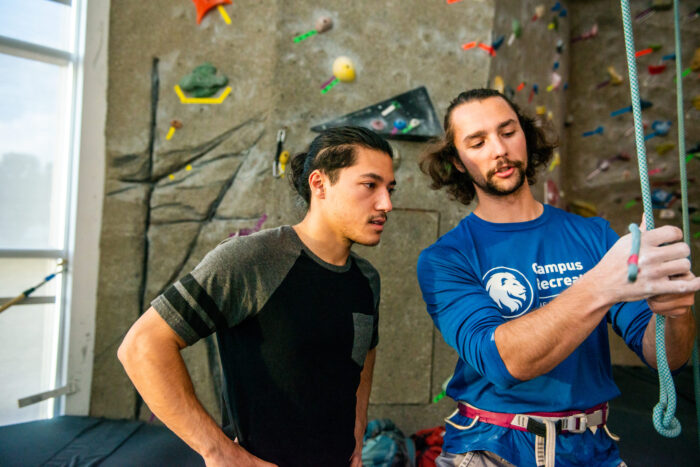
(661, 128)
(539, 12)
(696, 102)
(343, 69)
(510, 92)
(516, 28)
(323, 24)
(556, 161)
(695, 63)
(644, 105)
(540, 110)
(656, 69)
(661, 5)
(663, 148)
(551, 193)
(560, 46)
(521, 86)
(598, 131)
(615, 77)
(667, 214)
(498, 42)
(378, 124)
(490, 50)
(498, 84)
(661, 199)
(641, 53)
(203, 81)
(399, 123)
(587, 35)
(413, 123)
(203, 6)
(583, 208)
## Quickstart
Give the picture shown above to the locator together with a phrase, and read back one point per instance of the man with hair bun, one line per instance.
(523, 292)
(295, 314)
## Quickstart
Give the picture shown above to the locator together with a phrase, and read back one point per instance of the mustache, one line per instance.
(505, 163)
(382, 217)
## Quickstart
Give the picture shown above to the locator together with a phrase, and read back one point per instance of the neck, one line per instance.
(322, 240)
(520, 206)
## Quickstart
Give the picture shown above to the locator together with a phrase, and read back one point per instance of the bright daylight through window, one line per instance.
(38, 89)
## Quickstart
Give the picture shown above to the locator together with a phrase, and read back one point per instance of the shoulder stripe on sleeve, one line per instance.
(188, 313)
(204, 300)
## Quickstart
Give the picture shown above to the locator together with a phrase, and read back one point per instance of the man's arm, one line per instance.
(363, 391)
(150, 354)
(534, 344)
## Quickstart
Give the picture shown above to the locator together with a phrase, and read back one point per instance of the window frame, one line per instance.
(76, 301)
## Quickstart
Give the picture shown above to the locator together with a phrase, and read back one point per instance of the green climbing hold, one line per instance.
(203, 82)
(517, 28)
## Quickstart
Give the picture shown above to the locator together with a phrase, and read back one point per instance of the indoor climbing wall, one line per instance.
(199, 117)
(600, 170)
(204, 108)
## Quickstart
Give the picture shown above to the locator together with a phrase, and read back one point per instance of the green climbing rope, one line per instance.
(664, 418)
(683, 161)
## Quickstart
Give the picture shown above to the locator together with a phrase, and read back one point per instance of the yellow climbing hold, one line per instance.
(343, 69)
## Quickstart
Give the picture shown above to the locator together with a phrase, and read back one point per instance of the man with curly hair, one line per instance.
(523, 292)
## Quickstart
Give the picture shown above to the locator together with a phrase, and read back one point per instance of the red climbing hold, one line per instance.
(203, 6)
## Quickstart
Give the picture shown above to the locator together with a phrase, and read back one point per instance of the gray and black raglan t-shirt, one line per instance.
(293, 333)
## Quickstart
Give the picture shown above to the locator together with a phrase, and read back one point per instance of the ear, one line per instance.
(316, 183)
(458, 165)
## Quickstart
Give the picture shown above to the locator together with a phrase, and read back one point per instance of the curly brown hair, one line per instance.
(439, 161)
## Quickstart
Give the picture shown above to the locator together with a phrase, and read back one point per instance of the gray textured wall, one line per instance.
(157, 227)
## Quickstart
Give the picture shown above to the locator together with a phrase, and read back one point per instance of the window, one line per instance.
(40, 70)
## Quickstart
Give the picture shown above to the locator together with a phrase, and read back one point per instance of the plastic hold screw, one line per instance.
(343, 69)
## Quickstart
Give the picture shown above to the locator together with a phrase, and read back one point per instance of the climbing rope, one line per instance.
(664, 418)
(684, 185)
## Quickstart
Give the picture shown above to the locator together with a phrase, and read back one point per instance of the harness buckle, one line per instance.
(578, 422)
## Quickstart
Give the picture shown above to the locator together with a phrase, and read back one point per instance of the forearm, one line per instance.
(679, 335)
(537, 342)
(162, 379)
(363, 392)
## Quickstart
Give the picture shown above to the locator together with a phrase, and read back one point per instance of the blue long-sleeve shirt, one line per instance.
(481, 275)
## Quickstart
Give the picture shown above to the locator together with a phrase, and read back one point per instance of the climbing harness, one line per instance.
(664, 418)
(544, 425)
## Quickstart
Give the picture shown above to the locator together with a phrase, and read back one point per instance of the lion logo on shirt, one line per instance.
(507, 288)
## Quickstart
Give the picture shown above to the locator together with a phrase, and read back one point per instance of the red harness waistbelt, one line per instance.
(572, 421)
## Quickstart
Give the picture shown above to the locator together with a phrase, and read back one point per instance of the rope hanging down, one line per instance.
(664, 418)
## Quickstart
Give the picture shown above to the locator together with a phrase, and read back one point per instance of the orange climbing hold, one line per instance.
(203, 6)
